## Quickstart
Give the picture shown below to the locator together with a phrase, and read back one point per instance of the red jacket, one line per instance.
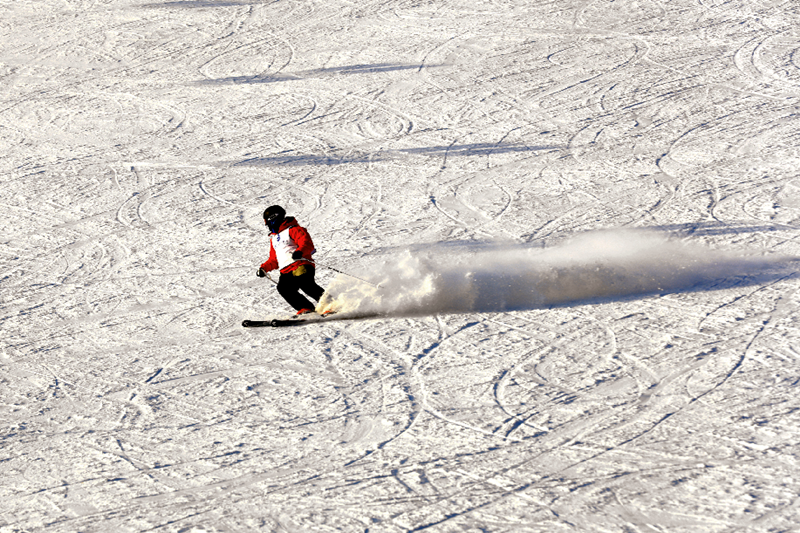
(301, 241)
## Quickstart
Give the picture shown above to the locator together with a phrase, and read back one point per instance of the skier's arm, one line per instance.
(303, 241)
(271, 263)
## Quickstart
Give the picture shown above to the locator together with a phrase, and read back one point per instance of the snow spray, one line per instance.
(590, 267)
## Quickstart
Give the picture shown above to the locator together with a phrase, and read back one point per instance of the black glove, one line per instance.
(297, 255)
(261, 273)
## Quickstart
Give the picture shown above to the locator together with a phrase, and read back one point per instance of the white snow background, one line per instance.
(579, 220)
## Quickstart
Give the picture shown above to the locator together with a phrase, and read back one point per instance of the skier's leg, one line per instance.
(288, 287)
(308, 285)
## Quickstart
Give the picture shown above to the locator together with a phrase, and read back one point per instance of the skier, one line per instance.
(290, 251)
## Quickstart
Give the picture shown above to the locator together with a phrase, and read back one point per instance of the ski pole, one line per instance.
(266, 275)
(346, 274)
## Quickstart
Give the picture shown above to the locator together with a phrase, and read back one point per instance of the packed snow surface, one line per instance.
(562, 238)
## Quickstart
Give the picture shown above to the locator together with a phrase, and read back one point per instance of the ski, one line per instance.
(256, 323)
(286, 322)
(274, 323)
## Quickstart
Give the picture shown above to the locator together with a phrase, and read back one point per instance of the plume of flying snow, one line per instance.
(592, 266)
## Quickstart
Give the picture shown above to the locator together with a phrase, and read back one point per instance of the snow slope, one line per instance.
(582, 218)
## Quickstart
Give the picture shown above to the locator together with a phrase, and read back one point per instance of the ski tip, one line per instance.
(256, 323)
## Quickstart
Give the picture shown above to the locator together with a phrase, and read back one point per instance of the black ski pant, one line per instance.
(289, 286)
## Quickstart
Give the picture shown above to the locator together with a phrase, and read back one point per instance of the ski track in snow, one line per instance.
(142, 141)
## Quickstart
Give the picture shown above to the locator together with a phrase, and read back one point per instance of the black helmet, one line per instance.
(274, 217)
